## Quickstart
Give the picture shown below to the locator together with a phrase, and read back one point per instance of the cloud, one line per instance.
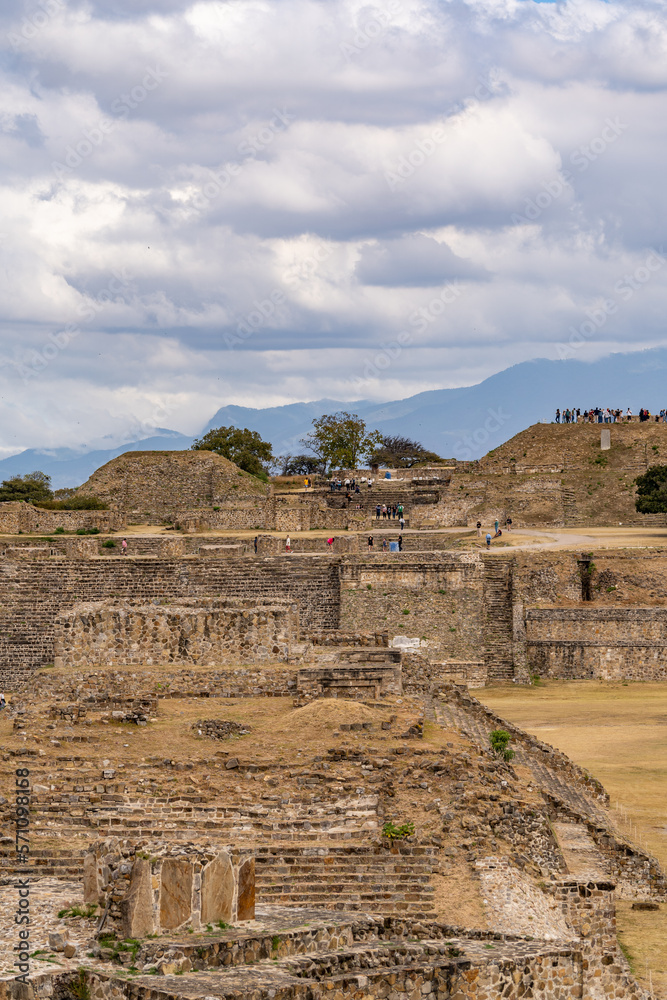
(256, 201)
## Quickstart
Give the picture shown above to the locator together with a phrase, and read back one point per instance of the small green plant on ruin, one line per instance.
(79, 987)
(87, 912)
(393, 832)
(499, 740)
(109, 544)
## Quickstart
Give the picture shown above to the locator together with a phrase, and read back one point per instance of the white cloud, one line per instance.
(246, 201)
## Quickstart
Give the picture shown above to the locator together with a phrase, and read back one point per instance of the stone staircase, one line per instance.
(498, 619)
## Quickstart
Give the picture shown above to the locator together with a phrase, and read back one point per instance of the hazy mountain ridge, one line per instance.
(462, 423)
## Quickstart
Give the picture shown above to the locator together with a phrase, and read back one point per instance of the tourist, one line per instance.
(394, 511)
(508, 523)
(123, 546)
(384, 544)
(2, 700)
(255, 544)
(330, 543)
(557, 416)
(402, 522)
(495, 525)
(400, 543)
(384, 512)
(488, 540)
(498, 533)
(479, 529)
(378, 511)
(400, 510)
(288, 544)
(370, 543)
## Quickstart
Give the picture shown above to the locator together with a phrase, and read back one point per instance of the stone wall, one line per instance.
(151, 888)
(18, 517)
(34, 592)
(599, 643)
(206, 631)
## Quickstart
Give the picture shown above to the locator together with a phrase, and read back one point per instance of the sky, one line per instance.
(260, 202)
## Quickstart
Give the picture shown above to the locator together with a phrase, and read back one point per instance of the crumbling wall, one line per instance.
(150, 888)
(205, 631)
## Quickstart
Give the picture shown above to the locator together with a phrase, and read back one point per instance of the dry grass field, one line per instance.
(619, 733)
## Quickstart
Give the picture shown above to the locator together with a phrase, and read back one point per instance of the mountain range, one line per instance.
(461, 423)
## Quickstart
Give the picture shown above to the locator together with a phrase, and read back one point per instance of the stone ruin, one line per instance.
(203, 630)
(150, 888)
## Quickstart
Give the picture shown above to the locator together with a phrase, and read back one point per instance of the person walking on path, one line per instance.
(495, 524)
(123, 546)
(288, 544)
(330, 544)
(255, 544)
(479, 529)
(488, 540)
(400, 543)
(402, 522)
(370, 543)
(400, 510)
(508, 523)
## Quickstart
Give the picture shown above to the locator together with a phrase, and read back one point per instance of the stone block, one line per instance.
(91, 884)
(175, 893)
(246, 892)
(217, 891)
(57, 940)
(137, 906)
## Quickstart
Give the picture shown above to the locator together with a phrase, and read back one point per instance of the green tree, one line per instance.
(402, 453)
(33, 487)
(340, 440)
(298, 465)
(652, 491)
(243, 447)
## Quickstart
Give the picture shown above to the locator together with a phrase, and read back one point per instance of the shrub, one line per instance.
(81, 531)
(499, 740)
(393, 832)
(59, 531)
(109, 544)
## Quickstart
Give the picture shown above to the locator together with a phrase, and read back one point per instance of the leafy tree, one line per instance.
(499, 740)
(243, 447)
(340, 440)
(402, 453)
(298, 465)
(33, 487)
(652, 491)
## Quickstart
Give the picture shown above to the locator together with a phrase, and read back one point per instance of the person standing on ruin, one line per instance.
(479, 529)
(384, 544)
(378, 510)
(400, 543)
(123, 546)
(488, 540)
(402, 522)
(495, 525)
(370, 543)
(255, 544)
(288, 544)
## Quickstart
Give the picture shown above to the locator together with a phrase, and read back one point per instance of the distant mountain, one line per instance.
(461, 423)
(465, 423)
(69, 467)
